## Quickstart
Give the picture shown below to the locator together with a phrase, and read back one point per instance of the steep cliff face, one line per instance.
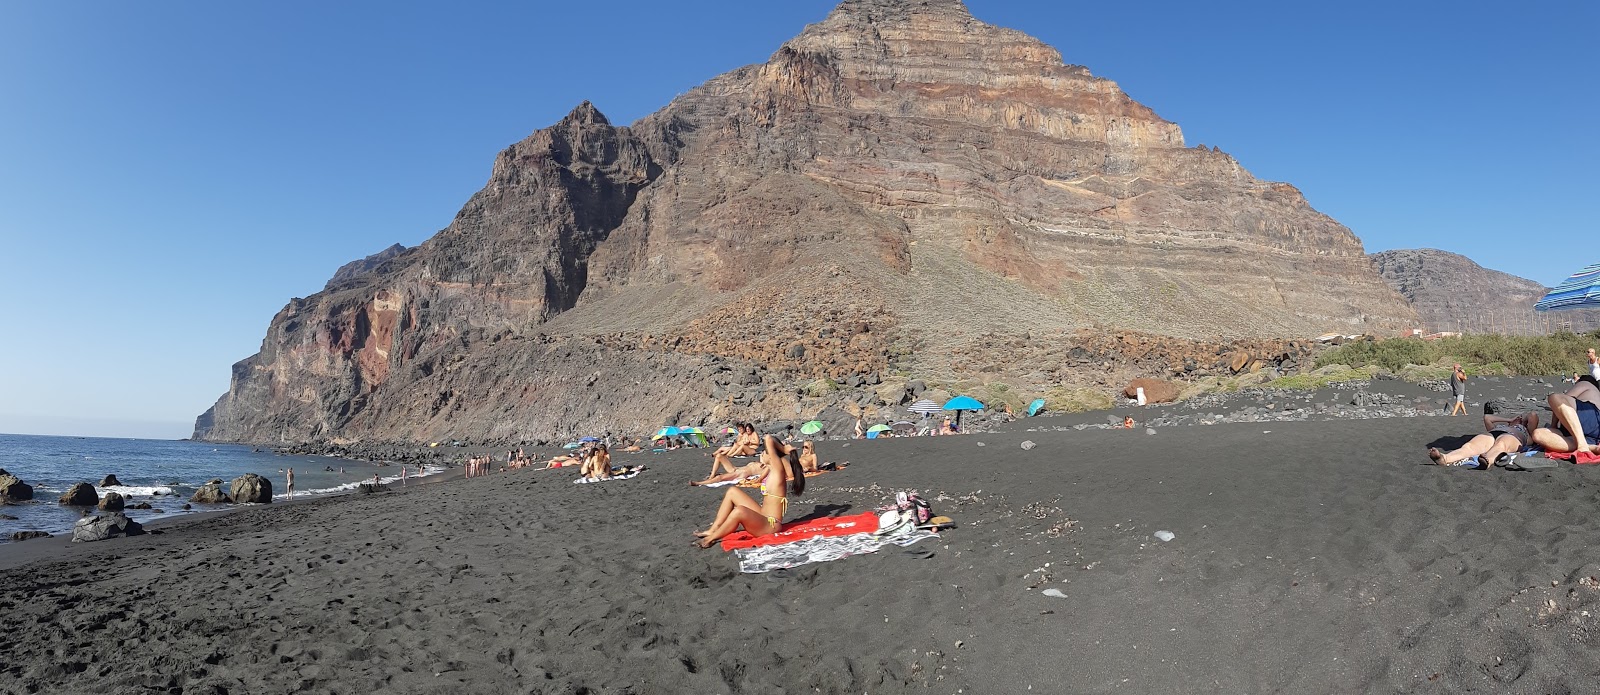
(1452, 293)
(898, 184)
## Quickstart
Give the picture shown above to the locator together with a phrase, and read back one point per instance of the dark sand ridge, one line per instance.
(1319, 557)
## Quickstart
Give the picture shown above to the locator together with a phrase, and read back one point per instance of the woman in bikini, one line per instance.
(738, 510)
(745, 444)
(1505, 436)
(754, 469)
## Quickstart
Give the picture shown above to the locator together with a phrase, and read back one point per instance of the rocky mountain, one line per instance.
(901, 190)
(1452, 293)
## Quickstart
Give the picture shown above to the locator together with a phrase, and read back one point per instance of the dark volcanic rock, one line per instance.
(28, 535)
(111, 502)
(210, 493)
(110, 480)
(12, 489)
(80, 494)
(251, 489)
(103, 526)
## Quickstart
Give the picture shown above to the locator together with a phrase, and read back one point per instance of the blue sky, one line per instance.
(171, 173)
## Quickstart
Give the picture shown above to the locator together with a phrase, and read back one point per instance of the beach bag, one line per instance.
(913, 507)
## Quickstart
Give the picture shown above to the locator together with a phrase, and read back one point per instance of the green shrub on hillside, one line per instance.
(1560, 353)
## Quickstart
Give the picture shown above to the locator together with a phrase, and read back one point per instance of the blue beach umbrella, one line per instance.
(589, 439)
(963, 403)
(1036, 406)
(571, 445)
(1581, 291)
(667, 432)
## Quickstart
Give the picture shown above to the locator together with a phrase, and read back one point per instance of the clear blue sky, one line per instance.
(171, 173)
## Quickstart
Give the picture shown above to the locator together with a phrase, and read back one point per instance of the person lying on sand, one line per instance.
(738, 510)
(745, 444)
(1576, 415)
(754, 469)
(1505, 436)
(563, 461)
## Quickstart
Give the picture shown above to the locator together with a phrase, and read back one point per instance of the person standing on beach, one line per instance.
(1458, 388)
(289, 478)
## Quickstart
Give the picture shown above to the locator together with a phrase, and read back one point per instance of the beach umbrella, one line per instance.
(905, 427)
(589, 439)
(1036, 406)
(873, 435)
(963, 403)
(667, 432)
(878, 428)
(731, 430)
(1581, 291)
(812, 427)
(924, 407)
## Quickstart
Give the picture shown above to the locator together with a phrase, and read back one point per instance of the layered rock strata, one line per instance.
(895, 185)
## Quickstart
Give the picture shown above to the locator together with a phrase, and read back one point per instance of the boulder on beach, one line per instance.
(12, 489)
(141, 505)
(210, 493)
(251, 489)
(1155, 390)
(112, 502)
(81, 495)
(103, 526)
(109, 480)
(28, 535)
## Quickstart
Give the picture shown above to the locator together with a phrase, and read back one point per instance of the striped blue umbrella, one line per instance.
(924, 407)
(1581, 291)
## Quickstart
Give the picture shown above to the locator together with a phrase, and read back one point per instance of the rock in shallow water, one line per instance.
(251, 489)
(80, 494)
(110, 479)
(12, 489)
(210, 493)
(112, 502)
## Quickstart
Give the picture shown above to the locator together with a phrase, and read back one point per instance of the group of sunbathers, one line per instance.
(1575, 427)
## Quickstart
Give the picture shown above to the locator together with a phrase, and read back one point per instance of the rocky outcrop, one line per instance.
(250, 489)
(1452, 293)
(210, 493)
(1155, 390)
(103, 526)
(890, 186)
(111, 502)
(28, 535)
(80, 494)
(110, 480)
(12, 489)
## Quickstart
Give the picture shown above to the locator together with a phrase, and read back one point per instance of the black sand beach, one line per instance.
(1308, 557)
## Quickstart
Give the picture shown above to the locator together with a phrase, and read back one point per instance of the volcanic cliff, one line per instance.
(1452, 293)
(899, 190)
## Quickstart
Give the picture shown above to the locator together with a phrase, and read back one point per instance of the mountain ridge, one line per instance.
(896, 189)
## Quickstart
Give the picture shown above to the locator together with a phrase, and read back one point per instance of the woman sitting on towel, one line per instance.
(808, 457)
(598, 465)
(747, 442)
(738, 510)
(1506, 436)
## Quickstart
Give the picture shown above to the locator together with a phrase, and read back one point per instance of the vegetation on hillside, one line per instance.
(1558, 353)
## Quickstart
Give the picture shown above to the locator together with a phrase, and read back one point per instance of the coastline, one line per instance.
(1309, 556)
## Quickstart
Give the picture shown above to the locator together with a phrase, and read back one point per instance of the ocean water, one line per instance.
(161, 472)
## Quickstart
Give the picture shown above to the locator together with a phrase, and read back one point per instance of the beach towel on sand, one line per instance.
(823, 549)
(1575, 457)
(791, 532)
(625, 476)
(725, 483)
